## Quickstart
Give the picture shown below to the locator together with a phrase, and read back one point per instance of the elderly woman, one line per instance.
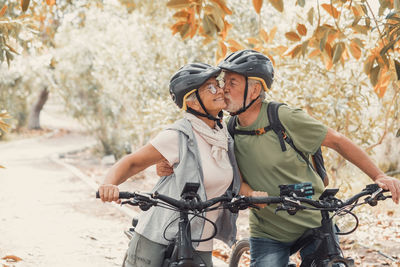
(200, 151)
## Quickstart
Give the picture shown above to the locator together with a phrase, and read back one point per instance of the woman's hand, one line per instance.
(109, 193)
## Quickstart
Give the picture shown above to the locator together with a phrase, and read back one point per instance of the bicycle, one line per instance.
(179, 251)
(328, 252)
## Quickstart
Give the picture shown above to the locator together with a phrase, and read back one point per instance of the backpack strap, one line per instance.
(275, 123)
(232, 128)
(278, 128)
(232, 125)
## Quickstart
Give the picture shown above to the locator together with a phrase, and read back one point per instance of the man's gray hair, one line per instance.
(253, 82)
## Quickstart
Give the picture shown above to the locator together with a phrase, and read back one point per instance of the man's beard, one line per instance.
(230, 105)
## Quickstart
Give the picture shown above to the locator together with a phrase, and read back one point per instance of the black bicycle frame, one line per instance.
(328, 251)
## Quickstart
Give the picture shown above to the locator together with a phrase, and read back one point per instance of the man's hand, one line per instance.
(259, 194)
(163, 168)
(109, 193)
(389, 183)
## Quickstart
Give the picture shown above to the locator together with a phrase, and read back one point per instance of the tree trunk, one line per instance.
(34, 116)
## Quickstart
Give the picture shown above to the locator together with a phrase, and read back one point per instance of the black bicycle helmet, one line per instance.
(188, 80)
(252, 65)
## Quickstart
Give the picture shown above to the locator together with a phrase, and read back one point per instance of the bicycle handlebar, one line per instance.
(122, 195)
(329, 203)
(194, 204)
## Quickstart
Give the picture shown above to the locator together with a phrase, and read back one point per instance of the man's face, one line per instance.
(234, 85)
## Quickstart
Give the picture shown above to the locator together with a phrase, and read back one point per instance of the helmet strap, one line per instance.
(246, 89)
(207, 115)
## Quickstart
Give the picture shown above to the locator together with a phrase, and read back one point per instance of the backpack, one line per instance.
(276, 126)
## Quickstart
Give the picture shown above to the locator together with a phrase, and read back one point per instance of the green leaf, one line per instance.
(337, 52)
(374, 75)
(368, 66)
(358, 41)
(365, 9)
(356, 20)
(304, 47)
(310, 16)
(24, 5)
(361, 29)
(9, 57)
(398, 133)
(322, 43)
(208, 25)
(367, 22)
(388, 46)
(178, 3)
(301, 2)
(396, 4)
(397, 67)
(184, 30)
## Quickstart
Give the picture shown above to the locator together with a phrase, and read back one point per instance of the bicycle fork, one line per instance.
(183, 249)
(331, 246)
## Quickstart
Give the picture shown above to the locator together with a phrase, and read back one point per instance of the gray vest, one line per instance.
(152, 223)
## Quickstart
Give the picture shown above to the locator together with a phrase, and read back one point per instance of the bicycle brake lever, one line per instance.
(373, 195)
(130, 202)
(279, 208)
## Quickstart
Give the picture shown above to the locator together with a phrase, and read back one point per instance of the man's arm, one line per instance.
(358, 157)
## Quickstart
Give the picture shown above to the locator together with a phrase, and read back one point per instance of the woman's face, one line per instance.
(212, 96)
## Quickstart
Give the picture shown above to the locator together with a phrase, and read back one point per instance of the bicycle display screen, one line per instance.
(300, 190)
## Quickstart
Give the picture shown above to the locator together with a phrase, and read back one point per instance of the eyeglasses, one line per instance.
(212, 88)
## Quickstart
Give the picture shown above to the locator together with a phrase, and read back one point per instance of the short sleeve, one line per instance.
(306, 132)
(166, 142)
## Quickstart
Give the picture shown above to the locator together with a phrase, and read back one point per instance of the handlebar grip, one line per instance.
(125, 195)
(122, 195)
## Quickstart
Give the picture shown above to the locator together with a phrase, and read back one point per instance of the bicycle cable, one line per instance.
(346, 212)
(206, 219)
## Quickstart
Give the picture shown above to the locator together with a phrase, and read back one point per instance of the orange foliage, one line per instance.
(355, 50)
(51, 2)
(257, 5)
(292, 36)
(301, 29)
(3, 10)
(331, 10)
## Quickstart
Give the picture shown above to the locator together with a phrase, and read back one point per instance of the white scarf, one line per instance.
(217, 138)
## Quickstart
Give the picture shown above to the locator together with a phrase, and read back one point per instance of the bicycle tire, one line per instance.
(238, 250)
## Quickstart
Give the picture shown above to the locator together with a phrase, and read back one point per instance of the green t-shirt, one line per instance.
(265, 166)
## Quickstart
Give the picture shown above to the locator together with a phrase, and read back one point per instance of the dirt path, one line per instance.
(49, 217)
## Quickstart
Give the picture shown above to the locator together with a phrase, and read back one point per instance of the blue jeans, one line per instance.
(266, 252)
